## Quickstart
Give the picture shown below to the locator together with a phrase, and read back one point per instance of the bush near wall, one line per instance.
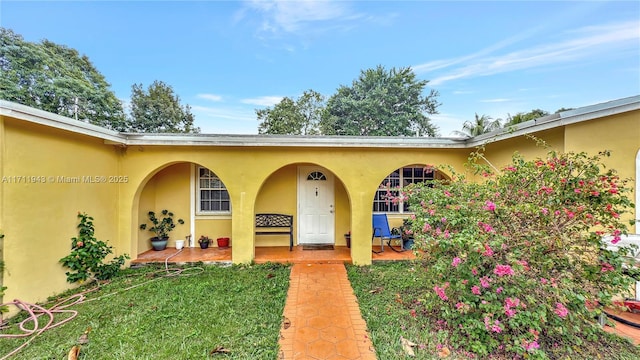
(517, 261)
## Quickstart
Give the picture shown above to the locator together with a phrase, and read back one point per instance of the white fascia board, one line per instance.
(37, 116)
(291, 141)
(562, 119)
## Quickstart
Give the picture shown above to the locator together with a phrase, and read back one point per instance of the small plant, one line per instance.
(87, 255)
(204, 240)
(161, 227)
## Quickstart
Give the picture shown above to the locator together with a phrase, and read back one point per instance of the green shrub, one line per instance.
(517, 260)
(88, 253)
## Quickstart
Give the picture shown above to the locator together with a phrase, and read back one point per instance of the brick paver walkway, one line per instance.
(322, 319)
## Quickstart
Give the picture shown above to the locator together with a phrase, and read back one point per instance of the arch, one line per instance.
(387, 199)
(171, 186)
(275, 195)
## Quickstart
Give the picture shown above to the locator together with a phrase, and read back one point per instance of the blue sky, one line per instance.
(227, 58)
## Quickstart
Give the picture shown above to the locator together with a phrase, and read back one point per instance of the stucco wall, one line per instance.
(167, 189)
(39, 219)
(39, 215)
(620, 134)
(500, 153)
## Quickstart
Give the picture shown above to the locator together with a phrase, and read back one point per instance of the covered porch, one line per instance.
(274, 254)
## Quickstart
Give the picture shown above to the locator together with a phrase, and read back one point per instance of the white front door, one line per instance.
(316, 208)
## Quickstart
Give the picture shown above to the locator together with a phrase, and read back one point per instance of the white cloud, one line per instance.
(262, 100)
(290, 16)
(212, 97)
(586, 42)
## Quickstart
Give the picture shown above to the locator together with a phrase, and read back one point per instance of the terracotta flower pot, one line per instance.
(223, 242)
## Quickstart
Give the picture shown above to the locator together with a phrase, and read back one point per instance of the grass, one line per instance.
(237, 308)
(389, 295)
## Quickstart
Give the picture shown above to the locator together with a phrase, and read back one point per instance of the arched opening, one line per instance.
(388, 200)
(315, 197)
(194, 194)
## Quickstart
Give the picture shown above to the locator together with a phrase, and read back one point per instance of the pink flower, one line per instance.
(495, 327)
(447, 194)
(530, 346)
(484, 281)
(474, 271)
(502, 270)
(545, 211)
(440, 291)
(459, 305)
(456, 261)
(616, 236)
(486, 227)
(499, 290)
(606, 267)
(569, 213)
(511, 302)
(475, 290)
(487, 251)
(561, 311)
(543, 281)
(489, 206)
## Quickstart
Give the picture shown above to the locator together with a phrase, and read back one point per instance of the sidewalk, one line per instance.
(322, 316)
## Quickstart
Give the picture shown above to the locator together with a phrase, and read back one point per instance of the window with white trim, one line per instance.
(213, 197)
(387, 196)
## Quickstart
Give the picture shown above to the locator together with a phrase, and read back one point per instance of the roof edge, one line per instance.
(24, 112)
(563, 118)
(585, 113)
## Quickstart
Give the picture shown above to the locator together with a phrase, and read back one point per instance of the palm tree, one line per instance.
(481, 125)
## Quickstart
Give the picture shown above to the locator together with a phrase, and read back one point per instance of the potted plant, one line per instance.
(223, 242)
(347, 237)
(204, 242)
(161, 227)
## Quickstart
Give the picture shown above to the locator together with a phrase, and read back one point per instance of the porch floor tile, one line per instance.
(276, 254)
(626, 331)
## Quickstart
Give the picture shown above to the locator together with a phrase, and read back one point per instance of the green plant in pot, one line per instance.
(204, 241)
(161, 226)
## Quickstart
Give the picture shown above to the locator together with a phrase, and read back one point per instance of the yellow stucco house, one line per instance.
(52, 167)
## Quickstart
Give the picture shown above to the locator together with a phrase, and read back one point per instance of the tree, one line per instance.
(481, 125)
(293, 117)
(158, 110)
(381, 103)
(522, 117)
(56, 78)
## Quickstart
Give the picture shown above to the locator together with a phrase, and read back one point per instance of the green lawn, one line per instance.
(237, 308)
(389, 295)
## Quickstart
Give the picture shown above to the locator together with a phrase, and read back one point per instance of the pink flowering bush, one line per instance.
(523, 254)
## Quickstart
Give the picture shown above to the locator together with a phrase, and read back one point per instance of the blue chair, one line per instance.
(381, 230)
